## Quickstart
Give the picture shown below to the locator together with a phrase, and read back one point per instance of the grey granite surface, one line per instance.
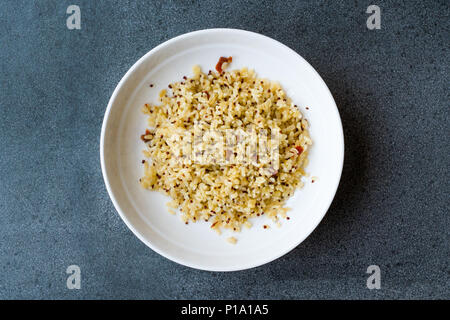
(392, 207)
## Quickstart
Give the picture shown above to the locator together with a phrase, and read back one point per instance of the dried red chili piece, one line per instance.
(147, 132)
(299, 149)
(222, 60)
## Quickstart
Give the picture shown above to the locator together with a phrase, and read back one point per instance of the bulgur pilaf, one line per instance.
(217, 184)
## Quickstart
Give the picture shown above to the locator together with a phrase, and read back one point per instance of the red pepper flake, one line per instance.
(288, 218)
(307, 108)
(265, 226)
(143, 161)
(299, 149)
(147, 132)
(151, 85)
(312, 181)
(222, 60)
(212, 226)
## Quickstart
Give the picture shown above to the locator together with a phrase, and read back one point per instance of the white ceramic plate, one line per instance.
(145, 212)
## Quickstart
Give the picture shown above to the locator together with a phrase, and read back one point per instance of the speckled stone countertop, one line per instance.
(392, 207)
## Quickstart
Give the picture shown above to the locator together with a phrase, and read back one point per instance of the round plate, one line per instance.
(145, 212)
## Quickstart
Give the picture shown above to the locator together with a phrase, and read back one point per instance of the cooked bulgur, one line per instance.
(218, 185)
